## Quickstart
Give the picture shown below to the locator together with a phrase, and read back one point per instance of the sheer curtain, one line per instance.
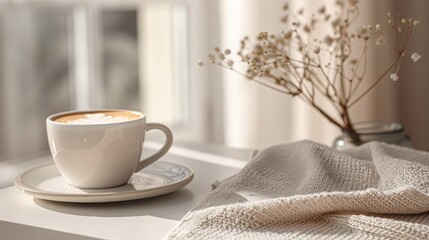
(256, 117)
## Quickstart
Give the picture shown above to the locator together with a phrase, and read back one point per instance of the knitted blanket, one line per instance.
(305, 190)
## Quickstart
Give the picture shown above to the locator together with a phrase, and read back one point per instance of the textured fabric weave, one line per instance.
(305, 190)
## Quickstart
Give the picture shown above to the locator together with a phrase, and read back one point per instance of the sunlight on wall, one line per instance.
(163, 83)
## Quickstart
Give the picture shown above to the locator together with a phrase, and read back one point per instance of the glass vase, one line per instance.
(391, 133)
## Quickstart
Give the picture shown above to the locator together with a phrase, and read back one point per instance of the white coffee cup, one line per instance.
(92, 151)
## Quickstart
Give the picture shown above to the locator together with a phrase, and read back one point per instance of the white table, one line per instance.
(22, 217)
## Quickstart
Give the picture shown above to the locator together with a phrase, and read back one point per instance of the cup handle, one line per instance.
(168, 142)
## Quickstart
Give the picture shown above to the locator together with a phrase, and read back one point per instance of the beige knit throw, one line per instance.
(305, 190)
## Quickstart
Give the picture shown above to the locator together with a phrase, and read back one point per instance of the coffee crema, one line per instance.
(98, 117)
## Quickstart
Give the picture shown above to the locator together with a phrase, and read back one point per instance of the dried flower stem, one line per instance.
(292, 63)
(381, 77)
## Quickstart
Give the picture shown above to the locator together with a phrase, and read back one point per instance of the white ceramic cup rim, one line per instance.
(51, 118)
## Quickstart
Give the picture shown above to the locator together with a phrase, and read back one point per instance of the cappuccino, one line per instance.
(101, 148)
(98, 117)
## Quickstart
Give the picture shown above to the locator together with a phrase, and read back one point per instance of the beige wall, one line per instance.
(413, 92)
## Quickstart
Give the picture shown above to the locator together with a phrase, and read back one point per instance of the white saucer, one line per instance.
(45, 182)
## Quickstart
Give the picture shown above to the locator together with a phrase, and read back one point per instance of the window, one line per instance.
(62, 57)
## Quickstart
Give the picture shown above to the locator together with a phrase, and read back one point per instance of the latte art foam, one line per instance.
(98, 118)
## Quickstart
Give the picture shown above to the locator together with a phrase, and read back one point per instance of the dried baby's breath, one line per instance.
(299, 62)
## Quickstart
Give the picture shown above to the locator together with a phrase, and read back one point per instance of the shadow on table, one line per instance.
(10, 230)
(171, 206)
